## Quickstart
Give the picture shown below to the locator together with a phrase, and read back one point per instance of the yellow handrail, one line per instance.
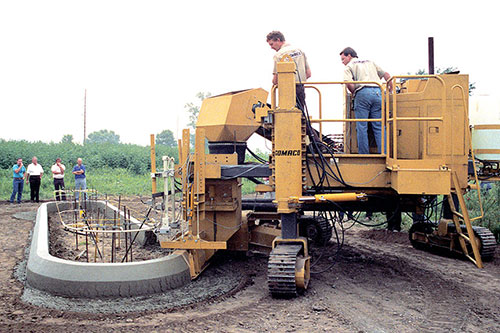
(469, 137)
(395, 118)
(320, 121)
(320, 107)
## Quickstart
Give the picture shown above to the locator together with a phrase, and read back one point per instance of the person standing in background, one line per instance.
(80, 178)
(58, 174)
(18, 171)
(34, 177)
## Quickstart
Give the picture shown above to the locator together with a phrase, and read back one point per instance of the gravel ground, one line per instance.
(378, 283)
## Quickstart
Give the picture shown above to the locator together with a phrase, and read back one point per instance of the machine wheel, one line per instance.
(317, 229)
(415, 235)
(288, 271)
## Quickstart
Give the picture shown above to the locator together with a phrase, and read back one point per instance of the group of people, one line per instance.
(367, 96)
(33, 175)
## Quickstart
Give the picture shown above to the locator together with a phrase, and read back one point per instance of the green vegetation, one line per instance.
(166, 138)
(103, 136)
(491, 207)
(133, 158)
(114, 169)
(67, 138)
(111, 168)
(104, 180)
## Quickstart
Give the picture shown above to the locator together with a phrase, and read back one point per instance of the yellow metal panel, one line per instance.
(369, 171)
(409, 147)
(287, 154)
(212, 171)
(486, 127)
(223, 159)
(214, 161)
(214, 110)
(193, 244)
(261, 112)
(286, 85)
(438, 141)
(229, 117)
(487, 151)
(222, 210)
(421, 182)
(263, 188)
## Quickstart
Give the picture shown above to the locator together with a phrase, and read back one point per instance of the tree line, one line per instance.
(131, 157)
(102, 149)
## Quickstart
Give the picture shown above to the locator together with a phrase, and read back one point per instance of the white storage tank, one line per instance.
(484, 115)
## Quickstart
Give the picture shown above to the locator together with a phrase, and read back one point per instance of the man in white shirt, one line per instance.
(367, 97)
(34, 177)
(276, 41)
(58, 174)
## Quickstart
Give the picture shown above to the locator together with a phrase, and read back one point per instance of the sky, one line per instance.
(142, 61)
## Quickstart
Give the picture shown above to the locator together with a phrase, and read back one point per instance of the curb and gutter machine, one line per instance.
(426, 140)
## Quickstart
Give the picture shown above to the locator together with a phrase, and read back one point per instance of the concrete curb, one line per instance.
(75, 279)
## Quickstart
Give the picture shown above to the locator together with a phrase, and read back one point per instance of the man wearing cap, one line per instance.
(367, 97)
(276, 41)
(58, 174)
(18, 171)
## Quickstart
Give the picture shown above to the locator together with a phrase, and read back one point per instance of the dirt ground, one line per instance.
(378, 283)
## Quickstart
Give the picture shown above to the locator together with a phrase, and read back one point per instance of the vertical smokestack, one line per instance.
(431, 55)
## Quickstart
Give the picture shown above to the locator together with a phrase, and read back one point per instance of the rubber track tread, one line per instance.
(281, 270)
(485, 236)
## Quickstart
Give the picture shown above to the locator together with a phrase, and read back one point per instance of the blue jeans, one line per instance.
(367, 105)
(17, 187)
(80, 184)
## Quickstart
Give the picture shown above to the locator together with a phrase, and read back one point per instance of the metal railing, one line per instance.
(394, 119)
(468, 137)
(320, 121)
(385, 118)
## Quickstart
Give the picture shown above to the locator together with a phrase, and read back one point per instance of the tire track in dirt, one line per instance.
(445, 289)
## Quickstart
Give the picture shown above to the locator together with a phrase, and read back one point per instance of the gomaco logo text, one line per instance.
(287, 152)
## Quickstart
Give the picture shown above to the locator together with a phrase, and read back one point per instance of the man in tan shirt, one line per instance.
(276, 41)
(367, 97)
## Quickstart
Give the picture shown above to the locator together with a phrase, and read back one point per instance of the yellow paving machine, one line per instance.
(311, 181)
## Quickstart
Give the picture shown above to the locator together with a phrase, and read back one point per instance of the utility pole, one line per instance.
(431, 55)
(85, 117)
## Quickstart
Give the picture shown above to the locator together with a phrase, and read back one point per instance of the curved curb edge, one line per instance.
(76, 279)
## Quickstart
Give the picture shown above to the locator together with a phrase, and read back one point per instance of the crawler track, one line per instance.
(426, 240)
(281, 270)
